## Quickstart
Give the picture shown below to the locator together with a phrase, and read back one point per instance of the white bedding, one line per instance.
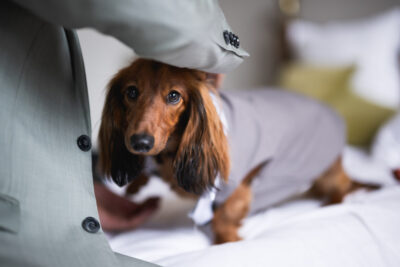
(363, 231)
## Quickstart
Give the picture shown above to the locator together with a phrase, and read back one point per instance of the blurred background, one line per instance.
(343, 52)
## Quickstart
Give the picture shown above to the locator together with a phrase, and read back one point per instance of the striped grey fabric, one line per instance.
(46, 186)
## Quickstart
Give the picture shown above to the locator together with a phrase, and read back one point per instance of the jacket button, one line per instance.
(226, 37)
(237, 43)
(231, 36)
(233, 40)
(91, 225)
(84, 143)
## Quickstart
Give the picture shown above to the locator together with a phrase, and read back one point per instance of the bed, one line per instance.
(363, 231)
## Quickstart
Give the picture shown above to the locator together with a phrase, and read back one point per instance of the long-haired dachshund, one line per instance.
(241, 152)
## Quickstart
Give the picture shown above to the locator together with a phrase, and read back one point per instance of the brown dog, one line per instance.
(153, 109)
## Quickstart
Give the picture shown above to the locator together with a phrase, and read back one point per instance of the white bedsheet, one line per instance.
(363, 231)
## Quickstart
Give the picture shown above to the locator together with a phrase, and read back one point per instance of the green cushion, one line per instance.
(331, 86)
(320, 83)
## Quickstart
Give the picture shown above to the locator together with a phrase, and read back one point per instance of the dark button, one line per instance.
(226, 37)
(84, 143)
(231, 37)
(91, 225)
(237, 43)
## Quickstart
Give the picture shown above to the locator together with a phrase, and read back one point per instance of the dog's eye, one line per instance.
(173, 97)
(132, 92)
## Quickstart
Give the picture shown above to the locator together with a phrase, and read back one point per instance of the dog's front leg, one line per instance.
(227, 217)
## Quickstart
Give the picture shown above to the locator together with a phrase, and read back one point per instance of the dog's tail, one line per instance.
(253, 173)
(367, 186)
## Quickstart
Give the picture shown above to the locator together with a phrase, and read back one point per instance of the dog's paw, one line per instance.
(226, 237)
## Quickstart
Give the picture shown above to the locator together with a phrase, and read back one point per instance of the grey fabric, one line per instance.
(10, 214)
(46, 185)
(127, 261)
(299, 136)
(177, 32)
(43, 112)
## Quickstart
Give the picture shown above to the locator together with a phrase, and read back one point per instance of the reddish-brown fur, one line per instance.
(189, 142)
(188, 136)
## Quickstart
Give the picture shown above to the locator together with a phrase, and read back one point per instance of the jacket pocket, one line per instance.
(10, 214)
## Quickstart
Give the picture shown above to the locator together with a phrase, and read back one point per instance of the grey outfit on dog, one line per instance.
(299, 136)
(48, 213)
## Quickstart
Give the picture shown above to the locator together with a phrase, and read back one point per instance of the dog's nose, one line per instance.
(142, 142)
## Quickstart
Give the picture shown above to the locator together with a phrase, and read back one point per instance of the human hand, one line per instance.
(119, 214)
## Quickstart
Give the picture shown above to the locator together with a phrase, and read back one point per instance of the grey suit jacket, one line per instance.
(46, 186)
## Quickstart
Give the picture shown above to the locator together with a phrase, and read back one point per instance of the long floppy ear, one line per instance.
(114, 159)
(215, 79)
(203, 150)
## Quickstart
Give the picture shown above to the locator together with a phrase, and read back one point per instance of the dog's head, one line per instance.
(147, 103)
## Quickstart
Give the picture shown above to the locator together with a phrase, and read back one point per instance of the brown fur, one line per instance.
(189, 142)
(334, 184)
(227, 217)
(189, 133)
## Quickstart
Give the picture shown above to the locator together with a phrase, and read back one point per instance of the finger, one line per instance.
(130, 207)
(111, 201)
(114, 223)
(111, 222)
(140, 217)
(150, 203)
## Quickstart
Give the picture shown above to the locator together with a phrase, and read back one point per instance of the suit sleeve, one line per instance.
(182, 33)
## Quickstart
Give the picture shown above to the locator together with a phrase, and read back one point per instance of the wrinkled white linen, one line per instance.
(363, 231)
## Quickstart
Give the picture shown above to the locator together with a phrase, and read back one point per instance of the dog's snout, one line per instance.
(142, 142)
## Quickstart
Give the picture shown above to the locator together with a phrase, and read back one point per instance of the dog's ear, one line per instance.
(114, 159)
(203, 150)
(215, 79)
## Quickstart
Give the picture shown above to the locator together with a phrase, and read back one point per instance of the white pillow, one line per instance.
(372, 44)
(386, 147)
